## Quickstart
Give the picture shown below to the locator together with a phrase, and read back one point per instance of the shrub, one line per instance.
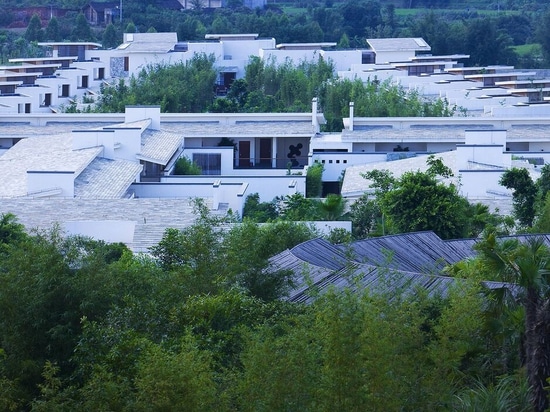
(185, 166)
(314, 180)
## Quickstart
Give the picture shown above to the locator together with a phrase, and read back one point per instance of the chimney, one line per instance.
(351, 113)
(314, 120)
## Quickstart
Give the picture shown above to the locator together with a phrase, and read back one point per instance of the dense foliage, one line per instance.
(418, 201)
(266, 87)
(181, 87)
(529, 197)
(199, 326)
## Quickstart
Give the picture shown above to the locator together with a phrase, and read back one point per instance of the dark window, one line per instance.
(210, 163)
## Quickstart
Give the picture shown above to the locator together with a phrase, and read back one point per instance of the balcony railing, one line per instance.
(265, 163)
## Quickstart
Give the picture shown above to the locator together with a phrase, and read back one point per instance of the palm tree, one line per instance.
(528, 266)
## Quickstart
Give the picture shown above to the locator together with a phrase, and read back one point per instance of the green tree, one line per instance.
(259, 212)
(523, 195)
(365, 216)
(34, 30)
(314, 180)
(53, 31)
(526, 265)
(417, 201)
(175, 381)
(110, 37)
(185, 166)
(82, 30)
(332, 207)
(130, 28)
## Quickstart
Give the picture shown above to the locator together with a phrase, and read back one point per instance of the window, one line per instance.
(210, 163)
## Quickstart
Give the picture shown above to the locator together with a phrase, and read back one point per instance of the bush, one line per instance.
(314, 180)
(185, 166)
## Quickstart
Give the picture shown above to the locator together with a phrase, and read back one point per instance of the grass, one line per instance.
(527, 49)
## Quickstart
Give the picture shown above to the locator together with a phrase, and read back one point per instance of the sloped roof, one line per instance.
(106, 179)
(149, 42)
(47, 153)
(159, 146)
(398, 262)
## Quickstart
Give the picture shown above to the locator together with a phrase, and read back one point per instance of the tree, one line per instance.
(130, 28)
(185, 166)
(259, 212)
(332, 207)
(53, 31)
(418, 201)
(34, 30)
(524, 194)
(528, 266)
(175, 381)
(314, 180)
(542, 34)
(110, 38)
(11, 231)
(365, 216)
(82, 30)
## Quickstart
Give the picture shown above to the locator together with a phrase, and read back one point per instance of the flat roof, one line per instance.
(399, 44)
(304, 46)
(228, 36)
(76, 43)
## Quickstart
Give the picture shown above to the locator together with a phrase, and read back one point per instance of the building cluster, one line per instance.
(59, 162)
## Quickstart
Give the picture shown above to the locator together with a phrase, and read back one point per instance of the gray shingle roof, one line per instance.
(405, 262)
(106, 179)
(159, 146)
(51, 153)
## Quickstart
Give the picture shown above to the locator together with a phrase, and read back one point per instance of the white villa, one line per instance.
(113, 173)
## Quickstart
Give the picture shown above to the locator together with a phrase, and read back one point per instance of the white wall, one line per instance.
(110, 231)
(476, 183)
(482, 154)
(40, 181)
(137, 113)
(485, 137)
(84, 139)
(393, 56)
(342, 59)
(267, 187)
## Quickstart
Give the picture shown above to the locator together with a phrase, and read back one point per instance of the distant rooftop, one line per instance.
(226, 36)
(399, 44)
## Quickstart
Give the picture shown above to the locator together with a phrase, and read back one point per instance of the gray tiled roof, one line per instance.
(152, 216)
(253, 128)
(106, 179)
(386, 264)
(51, 153)
(150, 43)
(448, 132)
(159, 146)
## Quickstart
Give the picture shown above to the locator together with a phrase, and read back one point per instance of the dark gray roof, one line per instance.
(386, 264)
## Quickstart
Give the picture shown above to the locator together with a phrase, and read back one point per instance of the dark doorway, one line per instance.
(265, 152)
(244, 153)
